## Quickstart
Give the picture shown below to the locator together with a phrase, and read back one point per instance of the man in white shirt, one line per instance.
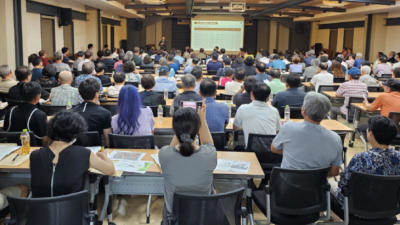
(396, 65)
(232, 87)
(257, 117)
(119, 79)
(264, 57)
(322, 77)
(88, 58)
(222, 56)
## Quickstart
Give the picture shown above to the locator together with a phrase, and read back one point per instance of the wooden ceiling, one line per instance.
(254, 8)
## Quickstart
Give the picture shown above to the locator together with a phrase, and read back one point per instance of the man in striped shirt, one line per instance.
(352, 88)
(65, 92)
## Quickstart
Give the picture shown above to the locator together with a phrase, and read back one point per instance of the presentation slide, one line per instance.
(224, 34)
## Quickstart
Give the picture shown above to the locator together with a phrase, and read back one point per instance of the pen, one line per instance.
(15, 157)
(102, 148)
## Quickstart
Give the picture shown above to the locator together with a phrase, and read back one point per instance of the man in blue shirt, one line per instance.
(188, 69)
(227, 64)
(214, 65)
(261, 76)
(65, 52)
(217, 115)
(358, 61)
(277, 64)
(292, 96)
(308, 59)
(172, 64)
(87, 71)
(37, 68)
(163, 82)
(179, 57)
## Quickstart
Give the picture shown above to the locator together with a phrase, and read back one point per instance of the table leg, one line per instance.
(249, 200)
(356, 120)
(107, 195)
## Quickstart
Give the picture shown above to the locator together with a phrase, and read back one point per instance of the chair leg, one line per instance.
(148, 210)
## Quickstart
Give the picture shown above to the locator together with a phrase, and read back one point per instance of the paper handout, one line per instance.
(233, 166)
(127, 155)
(133, 166)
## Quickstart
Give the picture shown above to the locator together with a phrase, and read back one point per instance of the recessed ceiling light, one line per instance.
(211, 1)
(265, 2)
(205, 8)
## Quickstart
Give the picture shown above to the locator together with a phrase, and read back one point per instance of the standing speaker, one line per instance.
(299, 27)
(139, 25)
(65, 17)
(318, 48)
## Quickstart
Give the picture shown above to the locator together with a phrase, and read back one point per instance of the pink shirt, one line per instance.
(116, 64)
(223, 80)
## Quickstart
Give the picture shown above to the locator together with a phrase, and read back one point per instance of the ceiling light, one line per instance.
(265, 2)
(205, 8)
(211, 1)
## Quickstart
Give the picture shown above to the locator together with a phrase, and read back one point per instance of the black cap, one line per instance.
(227, 61)
(249, 60)
(393, 84)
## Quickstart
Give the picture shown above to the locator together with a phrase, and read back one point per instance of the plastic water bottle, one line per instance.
(160, 113)
(271, 96)
(69, 106)
(166, 94)
(287, 113)
(229, 110)
(280, 69)
(25, 141)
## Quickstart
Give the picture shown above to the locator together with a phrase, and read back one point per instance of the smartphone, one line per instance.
(191, 104)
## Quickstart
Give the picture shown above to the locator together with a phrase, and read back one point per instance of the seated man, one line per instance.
(88, 58)
(172, 64)
(66, 60)
(27, 115)
(379, 160)
(227, 65)
(188, 94)
(197, 72)
(148, 96)
(261, 76)
(188, 69)
(65, 92)
(387, 102)
(24, 75)
(119, 79)
(292, 97)
(163, 82)
(7, 79)
(310, 71)
(366, 78)
(257, 117)
(80, 57)
(58, 56)
(382, 67)
(217, 114)
(37, 68)
(351, 88)
(108, 60)
(323, 77)
(100, 73)
(228, 77)
(97, 118)
(244, 98)
(87, 71)
(232, 87)
(277, 64)
(276, 84)
(214, 65)
(308, 145)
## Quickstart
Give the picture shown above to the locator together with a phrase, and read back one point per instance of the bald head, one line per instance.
(65, 77)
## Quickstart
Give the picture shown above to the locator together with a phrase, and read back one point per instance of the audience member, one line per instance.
(164, 62)
(310, 71)
(296, 67)
(131, 73)
(97, 118)
(179, 57)
(183, 162)
(158, 56)
(217, 115)
(120, 67)
(132, 118)
(37, 68)
(260, 70)
(257, 117)
(188, 94)
(114, 54)
(264, 58)
(238, 62)
(58, 57)
(397, 64)
(382, 67)
(309, 58)
(201, 54)
(322, 77)
(189, 61)
(88, 58)
(214, 65)
(358, 61)
(337, 69)
(105, 80)
(119, 79)
(87, 71)
(108, 60)
(292, 97)
(163, 82)
(7, 79)
(250, 70)
(147, 62)
(396, 73)
(66, 59)
(188, 69)
(120, 57)
(222, 56)
(227, 65)
(241, 98)
(80, 57)
(100, 55)
(277, 63)
(300, 143)
(228, 78)
(366, 78)
(23, 75)
(197, 72)
(43, 55)
(351, 60)
(65, 92)
(232, 87)
(172, 64)
(276, 84)
(55, 174)
(26, 115)
(47, 80)
(148, 96)
(392, 58)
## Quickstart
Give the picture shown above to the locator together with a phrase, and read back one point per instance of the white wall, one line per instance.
(80, 32)
(34, 33)
(392, 35)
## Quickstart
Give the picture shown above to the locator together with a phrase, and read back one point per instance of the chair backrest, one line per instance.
(260, 144)
(61, 210)
(308, 79)
(375, 89)
(52, 109)
(12, 103)
(295, 112)
(110, 106)
(107, 85)
(383, 78)
(47, 89)
(383, 203)
(339, 80)
(136, 84)
(307, 196)
(171, 94)
(215, 78)
(225, 97)
(221, 209)
(91, 138)
(14, 137)
(212, 72)
(219, 140)
(109, 69)
(351, 109)
(322, 88)
(154, 109)
(3, 96)
(387, 75)
(395, 116)
(129, 141)
(221, 87)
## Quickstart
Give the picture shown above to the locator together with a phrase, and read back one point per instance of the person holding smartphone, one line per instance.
(186, 166)
(188, 85)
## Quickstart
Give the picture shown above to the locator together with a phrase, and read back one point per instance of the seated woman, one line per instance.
(61, 168)
(132, 118)
(238, 62)
(149, 97)
(131, 74)
(186, 166)
(337, 69)
(147, 63)
(296, 67)
(379, 160)
(48, 81)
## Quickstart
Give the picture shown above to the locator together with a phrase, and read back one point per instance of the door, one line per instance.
(112, 38)
(333, 42)
(47, 32)
(68, 39)
(105, 36)
(348, 38)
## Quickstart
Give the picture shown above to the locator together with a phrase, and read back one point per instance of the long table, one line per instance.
(332, 94)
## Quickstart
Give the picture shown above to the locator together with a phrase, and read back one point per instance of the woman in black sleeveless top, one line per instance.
(61, 168)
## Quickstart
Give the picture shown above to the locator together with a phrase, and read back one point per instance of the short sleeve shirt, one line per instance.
(323, 78)
(97, 117)
(353, 88)
(388, 102)
(61, 67)
(217, 115)
(241, 98)
(316, 148)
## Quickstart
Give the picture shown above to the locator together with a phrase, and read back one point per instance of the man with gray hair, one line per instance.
(316, 148)
(136, 56)
(87, 71)
(179, 57)
(7, 79)
(65, 92)
(60, 66)
(366, 77)
(310, 71)
(88, 58)
(129, 54)
(343, 62)
(309, 58)
(197, 72)
(358, 61)
(188, 94)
